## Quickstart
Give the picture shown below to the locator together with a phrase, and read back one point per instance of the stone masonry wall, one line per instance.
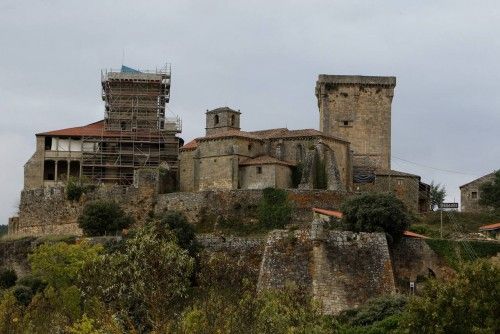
(341, 271)
(470, 194)
(241, 204)
(413, 261)
(46, 211)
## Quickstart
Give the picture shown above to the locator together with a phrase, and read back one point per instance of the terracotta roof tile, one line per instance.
(264, 160)
(490, 227)
(193, 144)
(95, 129)
(331, 213)
(414, 235)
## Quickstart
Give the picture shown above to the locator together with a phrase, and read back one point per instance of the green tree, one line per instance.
(470, 303)
(372, 212)
(490, 192)
(289, 311)
(58, 264)
(103, 217)
(437, 194)
(145, 283)
(275, 210)
(177, 223)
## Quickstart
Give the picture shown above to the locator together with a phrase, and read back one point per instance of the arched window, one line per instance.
(216, 119)
(232, 120)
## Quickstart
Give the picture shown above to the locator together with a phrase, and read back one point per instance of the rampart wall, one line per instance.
(341, 271)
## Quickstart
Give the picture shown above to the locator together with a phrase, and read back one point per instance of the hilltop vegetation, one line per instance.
(158, 280)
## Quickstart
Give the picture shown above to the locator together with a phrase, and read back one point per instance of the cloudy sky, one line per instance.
(262, 57)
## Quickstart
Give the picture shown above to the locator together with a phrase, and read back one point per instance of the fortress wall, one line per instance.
(241, 205)
(341, 272)
(14, 255)
(46, 211)
(350, 268)
(413, 261)
(287, 259)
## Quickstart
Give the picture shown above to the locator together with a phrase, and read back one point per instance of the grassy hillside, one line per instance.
(454, 223)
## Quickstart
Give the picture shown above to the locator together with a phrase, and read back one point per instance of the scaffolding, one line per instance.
(135, 133)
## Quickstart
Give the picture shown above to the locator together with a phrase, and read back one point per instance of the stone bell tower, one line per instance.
(221, 120)
(358, 109)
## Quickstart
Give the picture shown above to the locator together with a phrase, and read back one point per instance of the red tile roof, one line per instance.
(95, 129)
(193, 144)
(331, 213)
(264, 134)
(264, 160)
(414, 235)
(490, 227)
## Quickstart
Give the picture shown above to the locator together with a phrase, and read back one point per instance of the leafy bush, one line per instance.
(23, 295)
(374, 212)
(8, 278)
(275, 210)
(58, 264)
(490, 192)
(103, 217)
(374, 310)
(145, 283)
(32, 282)
(74, 189)
(183, 231)
(467, 304)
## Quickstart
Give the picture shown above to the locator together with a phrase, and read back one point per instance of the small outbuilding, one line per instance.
(492, 230)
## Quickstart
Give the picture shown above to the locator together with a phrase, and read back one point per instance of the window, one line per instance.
(259, 169)
(48, 143)
(399, 182)
(249, 147)
(474, 195)
(216, 119)
(232, 120)
(345, 123)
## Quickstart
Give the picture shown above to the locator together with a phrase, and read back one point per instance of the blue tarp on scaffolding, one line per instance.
(126, 69)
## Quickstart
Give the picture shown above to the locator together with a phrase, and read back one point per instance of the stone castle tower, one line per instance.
(358, 109)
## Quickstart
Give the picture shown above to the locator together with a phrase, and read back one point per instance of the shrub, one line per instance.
(8, 278)
(145, 283)
(74, 189)
(373, 212)
(184, 232)
(374, 310)
(32, 282)
(23, 295)
(467, 304)
(58, 264)
(103, 217)
(275, 210)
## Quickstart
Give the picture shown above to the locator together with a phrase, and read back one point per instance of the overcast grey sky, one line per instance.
(262, 57)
